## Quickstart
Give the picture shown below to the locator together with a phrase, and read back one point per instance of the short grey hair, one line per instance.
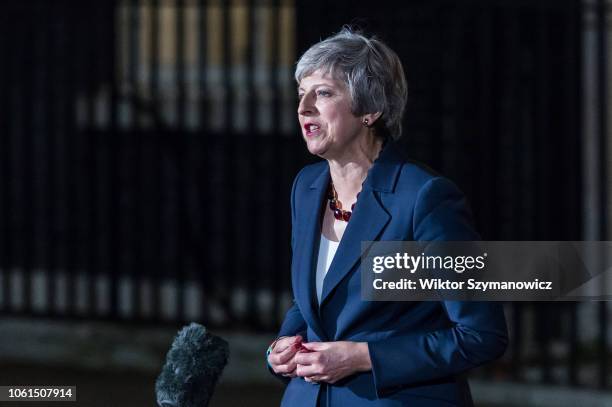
(370, 69)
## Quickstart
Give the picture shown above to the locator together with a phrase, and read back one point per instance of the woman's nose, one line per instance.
(306, 105)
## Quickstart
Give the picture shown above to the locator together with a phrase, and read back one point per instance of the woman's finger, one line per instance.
(284, 356)
(284, 343)
(307, 358)
(308, 370)
(289, 368)
(290, 374)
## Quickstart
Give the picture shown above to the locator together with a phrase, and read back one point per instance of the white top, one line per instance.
(327, 250)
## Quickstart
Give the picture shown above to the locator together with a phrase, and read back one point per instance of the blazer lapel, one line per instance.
(368, 220)
(366, 224)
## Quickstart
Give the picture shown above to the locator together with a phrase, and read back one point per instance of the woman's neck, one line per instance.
(348, 174)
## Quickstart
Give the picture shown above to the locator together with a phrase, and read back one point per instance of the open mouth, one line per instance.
(312, 129)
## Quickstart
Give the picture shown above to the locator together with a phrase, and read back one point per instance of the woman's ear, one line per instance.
(369, 119)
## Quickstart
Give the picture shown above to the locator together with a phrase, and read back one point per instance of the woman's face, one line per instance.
(328, 126)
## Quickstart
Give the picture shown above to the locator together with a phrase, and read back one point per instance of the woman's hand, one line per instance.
(282, 356)
(332, 361)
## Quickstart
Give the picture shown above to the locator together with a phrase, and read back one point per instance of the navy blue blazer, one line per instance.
(419, 350)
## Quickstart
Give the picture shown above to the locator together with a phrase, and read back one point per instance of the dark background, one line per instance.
(147, 149)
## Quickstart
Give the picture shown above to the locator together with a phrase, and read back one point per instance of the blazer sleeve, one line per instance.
(478, 332)
(294, 323)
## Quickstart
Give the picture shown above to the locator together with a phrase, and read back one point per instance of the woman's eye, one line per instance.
(324, 93)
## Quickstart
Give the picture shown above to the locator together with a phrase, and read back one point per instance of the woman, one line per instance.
(334, 349)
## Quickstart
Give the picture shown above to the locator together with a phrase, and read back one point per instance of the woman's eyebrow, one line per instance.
(317, 85)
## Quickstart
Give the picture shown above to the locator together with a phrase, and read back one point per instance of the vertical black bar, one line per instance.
(182, 143)
(27, 135)
(573, 74)
(229, 166)
(281, 223)
(203, 149)
(114, 181)
(40, 107)
(180, 64)
(51, 190)
(227, 67)
(146, 201)
(12, 205)
(602, 69)
(525, 202)
(71, 212)
(543, 332)
(486, 144)
(92, 76)
(202, 41)
(511, 128)
(105, 51)
(532, 200)
(250, 167)
(572, 362)
(60, 218)
(82, 235)
(543, 310)
(75, 36)
(573, 16)
(156, 198)
(450, 35)
(511, 149)
(5, 106)
(3, 145)
(44, 192)
(140, 173)
(132, 163)
(15, 134)
(105, 27)
(251, 66)
(517, 340)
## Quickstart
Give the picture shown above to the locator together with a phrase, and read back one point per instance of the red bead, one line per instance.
(336, 206)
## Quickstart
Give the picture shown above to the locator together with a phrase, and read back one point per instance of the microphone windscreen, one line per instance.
(193, 366)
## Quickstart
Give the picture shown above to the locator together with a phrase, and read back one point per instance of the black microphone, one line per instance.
(193, 365)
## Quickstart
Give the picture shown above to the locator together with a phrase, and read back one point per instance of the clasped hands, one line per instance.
(318, 361)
